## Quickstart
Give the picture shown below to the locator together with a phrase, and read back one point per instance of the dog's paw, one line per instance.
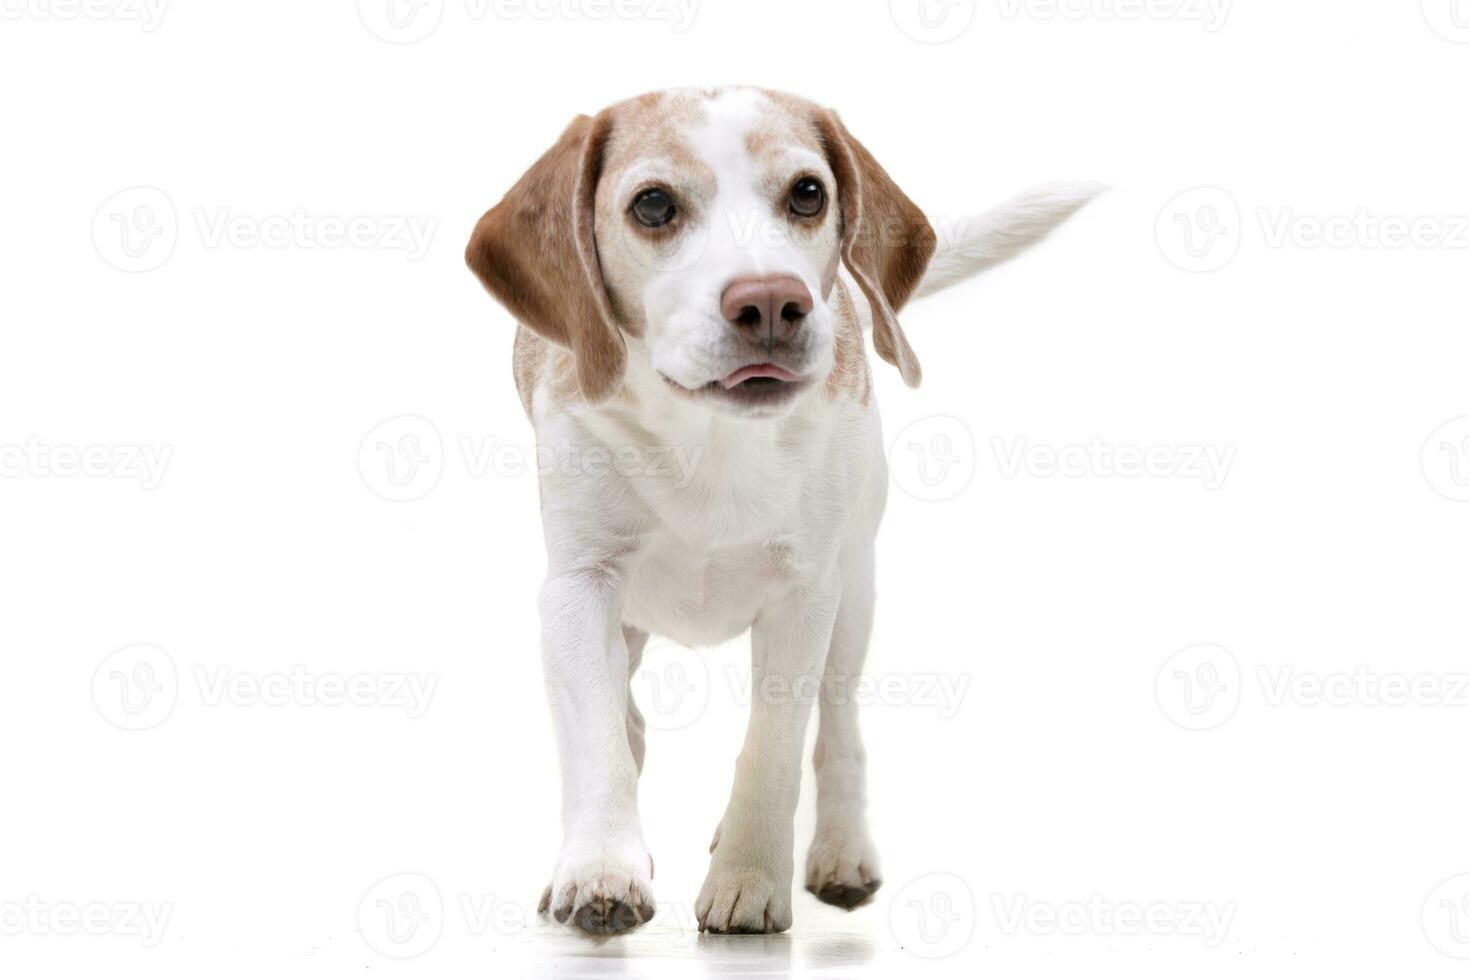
(741, 897)
(601, 893)
(841, 868)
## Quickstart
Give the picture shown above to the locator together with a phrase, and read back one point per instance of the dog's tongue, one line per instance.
(758, 371)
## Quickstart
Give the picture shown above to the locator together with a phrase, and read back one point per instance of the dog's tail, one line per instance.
(969, 246)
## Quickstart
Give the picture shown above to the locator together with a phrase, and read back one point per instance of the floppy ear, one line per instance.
(536, 252)
(886, 240)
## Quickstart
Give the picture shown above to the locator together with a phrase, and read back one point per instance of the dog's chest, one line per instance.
(721, 546)
(701, 597)
(743, 514)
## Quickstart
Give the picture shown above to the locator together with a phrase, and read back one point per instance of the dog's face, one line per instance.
(719, 239)
(703, 231)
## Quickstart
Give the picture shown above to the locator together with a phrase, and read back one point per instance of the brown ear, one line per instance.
(536, 252)
(886, 240)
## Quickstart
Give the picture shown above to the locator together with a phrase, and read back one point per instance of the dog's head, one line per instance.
(703, 231)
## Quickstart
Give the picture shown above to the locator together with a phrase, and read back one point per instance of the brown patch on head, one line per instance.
(787, 122)
(647, 131)
(779, 129)
(654, 125)
(849, 375)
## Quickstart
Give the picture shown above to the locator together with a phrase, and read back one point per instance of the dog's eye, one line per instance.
(808, 197)
(654, 208)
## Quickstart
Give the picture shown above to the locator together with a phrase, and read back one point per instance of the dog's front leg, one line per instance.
(603, 879)
(748, 888)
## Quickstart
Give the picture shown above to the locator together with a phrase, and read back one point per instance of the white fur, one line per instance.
(773, 533)
(998, 235)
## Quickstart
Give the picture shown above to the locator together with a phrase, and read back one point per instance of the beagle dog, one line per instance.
(695, 271)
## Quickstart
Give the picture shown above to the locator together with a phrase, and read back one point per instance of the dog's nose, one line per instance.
(769, 310)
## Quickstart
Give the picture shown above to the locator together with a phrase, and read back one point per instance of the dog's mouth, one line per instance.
(754, 386)
(759, 377)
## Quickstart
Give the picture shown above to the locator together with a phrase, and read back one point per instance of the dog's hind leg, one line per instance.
(748, 888)
(841, 867)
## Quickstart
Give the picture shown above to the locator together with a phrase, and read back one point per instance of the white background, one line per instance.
(1071, 770)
